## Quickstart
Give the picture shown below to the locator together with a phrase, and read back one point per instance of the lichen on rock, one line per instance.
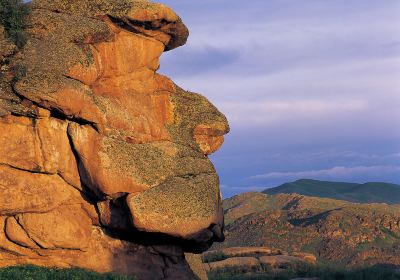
(103, 161)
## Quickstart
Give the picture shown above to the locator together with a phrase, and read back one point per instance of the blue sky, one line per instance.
(311, 87)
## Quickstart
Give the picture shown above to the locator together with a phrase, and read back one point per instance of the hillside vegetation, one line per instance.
(311, 272)
(336, 231)
(13, 15)
(361, 193)
(39, 273)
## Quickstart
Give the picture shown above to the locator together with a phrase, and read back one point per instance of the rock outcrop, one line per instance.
(253, 259)
(103, 161)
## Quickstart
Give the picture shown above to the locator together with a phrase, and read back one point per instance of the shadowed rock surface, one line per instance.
(103, 161)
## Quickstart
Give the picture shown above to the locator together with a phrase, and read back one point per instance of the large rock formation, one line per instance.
(103, 161)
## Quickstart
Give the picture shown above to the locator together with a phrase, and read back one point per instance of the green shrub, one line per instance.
(13, 14)
(39, 273)
(300, 270)
(214, 257)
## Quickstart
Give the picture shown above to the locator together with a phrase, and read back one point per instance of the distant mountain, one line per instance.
(360, 193)
(335, 231)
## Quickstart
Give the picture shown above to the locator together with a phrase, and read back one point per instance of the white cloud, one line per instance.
(344, 89)
(301, 73)
(300, 62)
(335, 154)
(335, 172)
(268, 113)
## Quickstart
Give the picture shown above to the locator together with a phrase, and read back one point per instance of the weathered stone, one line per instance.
(16, 233)
(243, 263)
(112, 214)
(23, 191)
(280, 261)
(67, 227)
(196, 265)
(40, 146)
(103, 161)
(305, 256)
(180, 207)
(209, 138)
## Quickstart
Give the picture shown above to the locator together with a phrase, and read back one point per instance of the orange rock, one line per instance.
(67, 227)
(99, 169)
(17, 234)
(38, 146)
(123, 79)
(279, 261)
(103, 161)
(10, 252)
(31, 192)
(209, 138)
(112, 214)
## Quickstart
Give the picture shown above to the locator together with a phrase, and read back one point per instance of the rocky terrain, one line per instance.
(250, 259)
(103, 161)
(335, 231)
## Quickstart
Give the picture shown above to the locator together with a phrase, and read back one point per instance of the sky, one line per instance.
(311, 88)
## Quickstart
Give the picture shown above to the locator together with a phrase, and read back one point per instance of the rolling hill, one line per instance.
(375, 192)
(336, 231)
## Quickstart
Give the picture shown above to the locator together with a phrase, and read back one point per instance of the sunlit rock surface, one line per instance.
(103, 161)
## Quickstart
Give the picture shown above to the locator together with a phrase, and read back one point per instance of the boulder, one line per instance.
(279, 261)
(305, 256)
(180, 207)
(242, 263)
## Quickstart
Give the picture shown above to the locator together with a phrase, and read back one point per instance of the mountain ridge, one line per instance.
(370, 192)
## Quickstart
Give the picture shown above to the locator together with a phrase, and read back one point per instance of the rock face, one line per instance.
(103, 161)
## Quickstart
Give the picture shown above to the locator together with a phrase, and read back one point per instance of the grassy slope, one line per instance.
(320, 271)
(39, 273)
(360, 193)
(334, 230)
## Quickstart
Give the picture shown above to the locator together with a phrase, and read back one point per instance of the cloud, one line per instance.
(267, 113)
(366, 91)
(194, 61)
(334, 172)
(297, 53)
(299, 76)
(334, 155)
